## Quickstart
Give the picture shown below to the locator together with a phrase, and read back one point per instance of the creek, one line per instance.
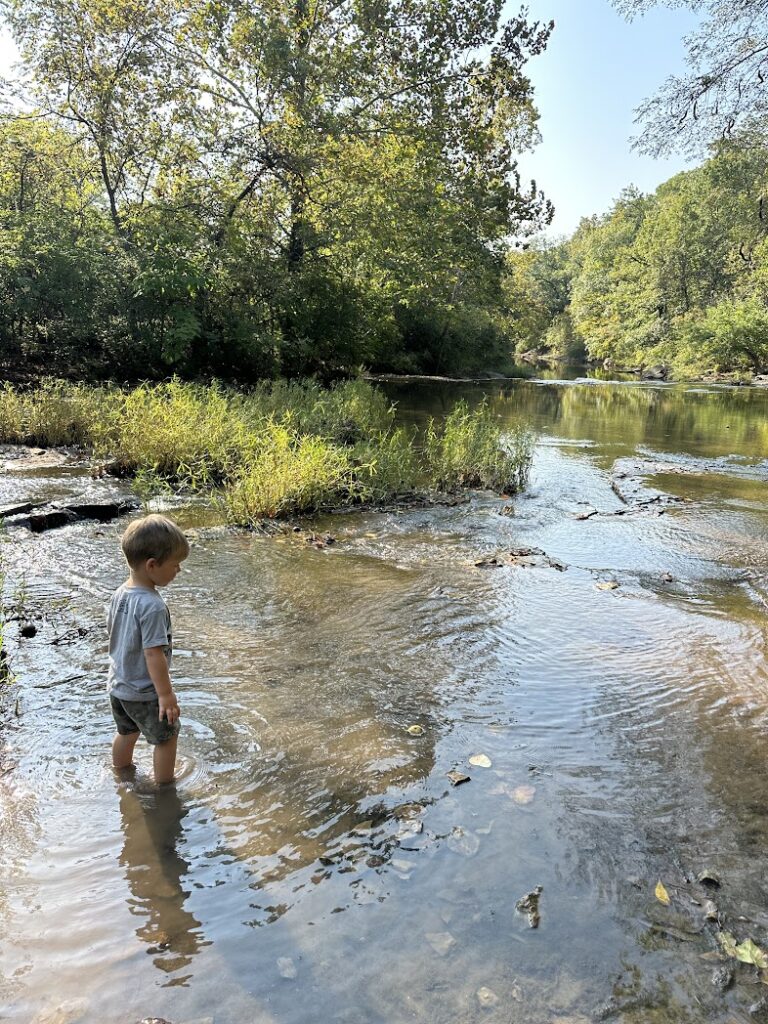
(314, 862)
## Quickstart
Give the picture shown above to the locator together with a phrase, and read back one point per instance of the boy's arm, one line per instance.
(157, 666)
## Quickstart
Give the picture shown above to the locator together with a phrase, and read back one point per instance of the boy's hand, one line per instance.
(169, 708)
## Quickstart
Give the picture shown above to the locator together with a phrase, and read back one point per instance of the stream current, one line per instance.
(314, 862)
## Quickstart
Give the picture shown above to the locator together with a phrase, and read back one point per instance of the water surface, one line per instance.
(314, 862)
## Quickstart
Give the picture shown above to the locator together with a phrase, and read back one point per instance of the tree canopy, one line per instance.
(289, 186)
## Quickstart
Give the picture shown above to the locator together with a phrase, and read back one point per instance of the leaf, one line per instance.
(607, 585)
(523, 794)
(480, 761)
(749, 953)
(661, 894)
(415, 730)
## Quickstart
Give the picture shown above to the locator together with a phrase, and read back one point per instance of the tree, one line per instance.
(724, 95)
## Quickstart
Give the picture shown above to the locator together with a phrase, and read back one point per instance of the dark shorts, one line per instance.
(142, 716)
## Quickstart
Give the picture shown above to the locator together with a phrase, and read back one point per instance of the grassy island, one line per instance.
(277, 450)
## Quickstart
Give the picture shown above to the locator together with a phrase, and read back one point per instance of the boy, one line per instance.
(140, 644)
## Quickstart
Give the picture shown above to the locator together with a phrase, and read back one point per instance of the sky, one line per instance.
(594, 73)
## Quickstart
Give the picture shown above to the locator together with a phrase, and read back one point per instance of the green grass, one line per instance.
(283, 448)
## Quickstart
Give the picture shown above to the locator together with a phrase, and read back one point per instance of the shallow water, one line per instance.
(313, 862)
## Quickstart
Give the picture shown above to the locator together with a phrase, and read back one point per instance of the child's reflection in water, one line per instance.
(155, 870)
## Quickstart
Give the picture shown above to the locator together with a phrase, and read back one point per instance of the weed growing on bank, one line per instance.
(283, 448)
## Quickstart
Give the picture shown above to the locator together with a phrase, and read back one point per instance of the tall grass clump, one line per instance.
(54, 413)
(468, 449)
(287, 474)
(283, 448)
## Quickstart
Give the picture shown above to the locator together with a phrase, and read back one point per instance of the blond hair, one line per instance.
(152, 537)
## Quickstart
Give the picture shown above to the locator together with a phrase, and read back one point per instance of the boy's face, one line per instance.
(165, 572)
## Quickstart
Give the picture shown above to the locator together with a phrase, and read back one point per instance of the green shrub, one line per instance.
(468, 450)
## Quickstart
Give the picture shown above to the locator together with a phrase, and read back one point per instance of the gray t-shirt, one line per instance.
(137, 617)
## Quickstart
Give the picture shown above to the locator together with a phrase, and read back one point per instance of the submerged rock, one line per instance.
(529, 904)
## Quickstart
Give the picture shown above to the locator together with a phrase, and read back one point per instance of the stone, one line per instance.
(487, 997)
(441, 942)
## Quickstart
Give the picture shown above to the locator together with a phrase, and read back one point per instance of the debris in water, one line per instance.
(523, 794)
(661, 893)
(487, 997)
(708, 877)
(529, 904)
(607, 585)
(457, 777)
(480, 761)
(415, 730)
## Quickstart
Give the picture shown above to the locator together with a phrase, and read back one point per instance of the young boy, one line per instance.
(140, 644)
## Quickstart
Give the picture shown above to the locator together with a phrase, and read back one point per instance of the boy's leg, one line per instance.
(164, 760)
(122, 749)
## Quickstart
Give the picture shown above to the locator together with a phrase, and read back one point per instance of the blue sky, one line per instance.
(596, 70)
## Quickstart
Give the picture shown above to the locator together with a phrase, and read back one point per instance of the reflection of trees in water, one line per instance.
(671, 419)
(155, 870)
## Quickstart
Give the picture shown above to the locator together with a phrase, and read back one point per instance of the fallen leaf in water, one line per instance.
(607, 585)
(747, 952)
(415, 730)
(463, 842)
(480, 761)
(523, 794)
(457, 777)
(661, 894)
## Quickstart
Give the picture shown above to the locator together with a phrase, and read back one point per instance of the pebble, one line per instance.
(487, 997)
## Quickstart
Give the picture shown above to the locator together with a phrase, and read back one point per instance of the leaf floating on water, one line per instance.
(746, 952)
(415, 730)
(607, 585)
(480, 761)
(457, 777)
(441, 942)
(286, 967)
(523, 794)
(661, 894)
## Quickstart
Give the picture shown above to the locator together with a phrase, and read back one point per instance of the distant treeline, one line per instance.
(677, 279)
(253, 190)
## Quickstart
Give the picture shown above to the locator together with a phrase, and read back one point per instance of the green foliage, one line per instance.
(281, 449)
(466, 450)
(678, 278)
(294, 188)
